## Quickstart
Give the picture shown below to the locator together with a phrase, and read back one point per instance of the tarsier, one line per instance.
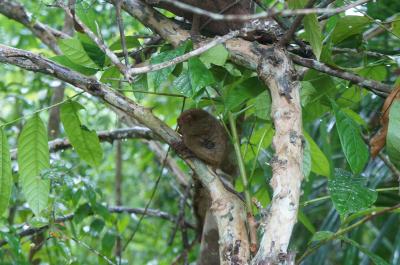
(206, 138)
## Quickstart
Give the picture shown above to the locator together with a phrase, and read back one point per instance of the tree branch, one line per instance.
(105, 136)
(374, 86)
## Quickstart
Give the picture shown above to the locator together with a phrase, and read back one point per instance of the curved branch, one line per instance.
(105, 136)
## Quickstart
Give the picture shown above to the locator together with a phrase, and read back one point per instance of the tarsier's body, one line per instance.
(205, 136)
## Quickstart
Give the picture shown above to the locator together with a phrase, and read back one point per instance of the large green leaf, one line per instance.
(85, 141)
(353, 146)
(216, 55)
(262, 105)
(393, 135)
(182, 84)
(62, 59)
(313, 34)
(92, 50)
(348, 26)
(5, 172)
(74, 51)
(33, 158)
(158, 77)
(242, 90)
(87, 15)
(319, 162)
(349, 194)
(199, 75)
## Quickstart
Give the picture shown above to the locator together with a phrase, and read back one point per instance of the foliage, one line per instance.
(41, 187)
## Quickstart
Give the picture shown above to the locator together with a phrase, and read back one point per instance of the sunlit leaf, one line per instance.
(85, 141)
(72, 48)
(216, 55)
(33, 158)
(63, 60)
(5, 172)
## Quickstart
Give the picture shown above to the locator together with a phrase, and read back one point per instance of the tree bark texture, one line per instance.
(277, 72)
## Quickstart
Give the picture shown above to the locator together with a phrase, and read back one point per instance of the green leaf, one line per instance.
(355, 117)
(216, 55)
(92, 50)
(353, 146)
(313, 34)
(5, 172)
(375, 258)
(396, 28)
(199, 75)
(63, 60)
(85, 141)
(348, 26)
(111, 76)
(140, 84)
(262, 105)
(319, 162)
(307, 93)
(87, 15)
(393, 135)
(74, 51)
(240, 91)
(33, 158)
(131, 42)
(182, 84)
(349, 194)
(158, 77)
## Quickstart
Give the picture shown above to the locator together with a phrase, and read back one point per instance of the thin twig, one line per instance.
(184, 57)
(121, 31)
(372, 85)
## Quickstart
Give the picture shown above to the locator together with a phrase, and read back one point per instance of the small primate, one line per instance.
(207, 139)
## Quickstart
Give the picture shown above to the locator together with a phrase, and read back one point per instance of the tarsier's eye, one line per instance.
(207, 143)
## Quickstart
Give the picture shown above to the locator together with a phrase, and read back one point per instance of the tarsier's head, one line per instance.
(192, 117)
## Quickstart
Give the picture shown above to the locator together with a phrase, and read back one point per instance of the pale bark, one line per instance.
(277, 72)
